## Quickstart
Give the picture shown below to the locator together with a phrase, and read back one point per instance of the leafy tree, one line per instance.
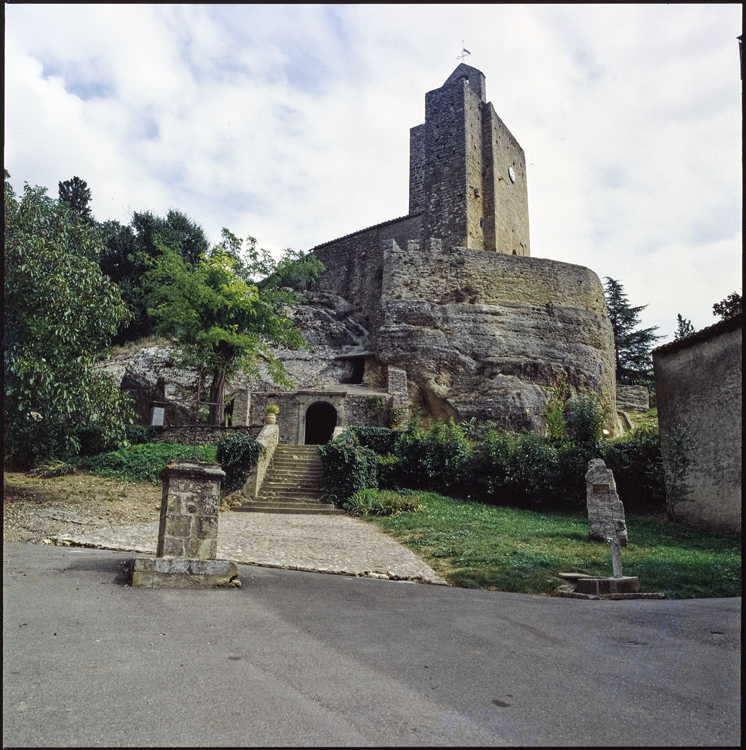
(634, 365)
(728, 307)
(60, 312)
(684, 328)
(220, 319)
(77, 194)
(132, 250)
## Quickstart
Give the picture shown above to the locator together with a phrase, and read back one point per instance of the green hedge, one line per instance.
(237, 455)
(506, 468)
(348, 468)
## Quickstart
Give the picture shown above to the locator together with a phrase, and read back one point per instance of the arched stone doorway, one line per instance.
(321, 419)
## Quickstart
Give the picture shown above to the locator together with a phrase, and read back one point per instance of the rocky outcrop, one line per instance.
(479, 334)
(482, 334)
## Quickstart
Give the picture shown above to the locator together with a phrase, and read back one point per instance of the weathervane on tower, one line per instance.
(464, 52)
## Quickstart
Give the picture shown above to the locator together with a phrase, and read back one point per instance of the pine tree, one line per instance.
(634, 365)
(77, 193)
(684, 328)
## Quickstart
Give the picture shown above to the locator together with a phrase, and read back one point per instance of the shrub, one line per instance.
(436, 458)
(55, 468)
(136, 434)
(382, 440)
(554, 412)
(372, 502)
(348, 468)
(636, 462)
(145, 462)
(584, 419)
(572, 467)
(493, 464)
(237, 454)
(536, 471)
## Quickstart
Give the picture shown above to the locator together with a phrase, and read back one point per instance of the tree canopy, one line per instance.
(60, 313)
(634, 365)
(728, 307)
(132, 250)
(221, 317)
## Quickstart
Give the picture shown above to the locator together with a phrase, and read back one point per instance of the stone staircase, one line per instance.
(292, 483)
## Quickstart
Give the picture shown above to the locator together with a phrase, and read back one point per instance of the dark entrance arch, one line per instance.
(321, 419)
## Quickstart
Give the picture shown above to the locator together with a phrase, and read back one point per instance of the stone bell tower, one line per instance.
(467, 173)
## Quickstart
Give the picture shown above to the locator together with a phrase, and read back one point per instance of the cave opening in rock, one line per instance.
(321, 419)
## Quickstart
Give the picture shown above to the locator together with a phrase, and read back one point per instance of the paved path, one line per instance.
(323, 544)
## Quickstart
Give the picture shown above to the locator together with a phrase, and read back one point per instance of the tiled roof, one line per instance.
(360, 231)
(729, 324)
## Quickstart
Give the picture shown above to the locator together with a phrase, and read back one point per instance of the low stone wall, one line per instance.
(205, 435)
(632, 398)
(268, 437)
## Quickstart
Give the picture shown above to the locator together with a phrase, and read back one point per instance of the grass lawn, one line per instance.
(474, 545)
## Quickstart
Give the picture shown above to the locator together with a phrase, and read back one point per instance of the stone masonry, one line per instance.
(189, 511)
(699, 390)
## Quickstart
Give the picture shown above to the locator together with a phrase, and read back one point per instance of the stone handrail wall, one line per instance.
(269, 437)
(206, 435)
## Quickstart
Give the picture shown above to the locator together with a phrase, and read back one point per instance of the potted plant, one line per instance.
(271, 412)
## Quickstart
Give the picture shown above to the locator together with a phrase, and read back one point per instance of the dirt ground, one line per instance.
(34, 509)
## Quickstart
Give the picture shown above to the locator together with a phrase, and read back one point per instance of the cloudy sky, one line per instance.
(291, 123)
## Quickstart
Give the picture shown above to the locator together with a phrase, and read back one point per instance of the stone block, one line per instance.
(171, 546)
(183, 573)
(200, 549)
(178, 526)
(605, 510)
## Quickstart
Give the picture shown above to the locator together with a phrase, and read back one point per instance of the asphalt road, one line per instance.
(311, 659)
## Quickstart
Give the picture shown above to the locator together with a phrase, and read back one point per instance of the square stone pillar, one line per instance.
(189, 510)
(241, 406)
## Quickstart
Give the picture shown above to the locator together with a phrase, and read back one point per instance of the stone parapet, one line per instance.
(269, 437)
(206, 435)
(632, 398)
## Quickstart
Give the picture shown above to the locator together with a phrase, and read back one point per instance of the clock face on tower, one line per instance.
(511, 172)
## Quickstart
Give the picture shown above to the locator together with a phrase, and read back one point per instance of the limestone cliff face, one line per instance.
(483, 335)
(479, 334)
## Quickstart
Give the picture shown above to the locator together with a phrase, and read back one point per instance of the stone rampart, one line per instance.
(484, 334)
(354, 264)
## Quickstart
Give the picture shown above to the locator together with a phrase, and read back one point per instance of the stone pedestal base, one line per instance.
(183, 573)
(582, 586)
(601, 586)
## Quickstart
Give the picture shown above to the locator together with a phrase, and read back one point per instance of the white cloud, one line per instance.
(292, 123)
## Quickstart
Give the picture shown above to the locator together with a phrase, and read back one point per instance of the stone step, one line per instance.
(292, 483)
(288, 500)
(290, 494)
(321, 509)
(298, 465)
